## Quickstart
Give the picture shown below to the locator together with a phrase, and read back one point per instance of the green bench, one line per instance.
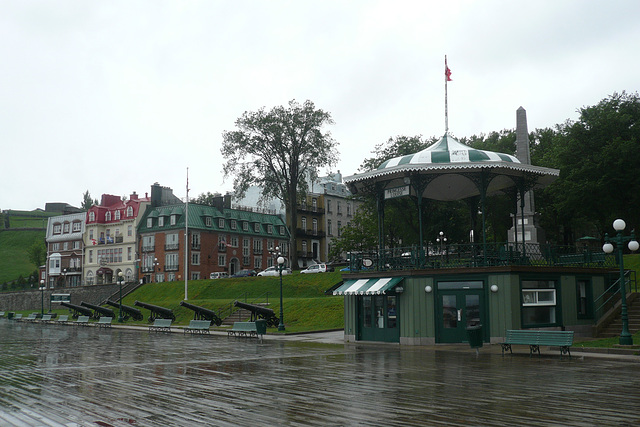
(46, 318)
(31, 318)
(534, 339)
(82, 321)
(104, 322)
(243, 329)
(160, 325)
(17, 316)
(1, 313)
(198, 327)
(64, 318)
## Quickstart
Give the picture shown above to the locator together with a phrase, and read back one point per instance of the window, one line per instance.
(174, 221)
(77, 226)
(195, 258)
(329, 228)
(282, 230)
(149, 222)
(220, 222)
(107, 216)
(233, 224)
(117, 215)
(66, 227)
(245, 226)
(91, 234)
(245, 247)
(195, 275)
(130, 230)
(90, 256)
(257, 263)
(161, 221)
(339, 227)
(148, 243)
(171, 277)
(92, 216)
(269, 228)
(315, 226)
(195, 241)
(65, 246)
(129, 253)
(172, 242)
(129, 211)
(76, 244)
(304, 223)
(304, 248)
(256, 227)
(329, 206)
(584, 301)
(348, 209)
(55, 247)
(257, 246)
(222, 260)
(171, 262)
(234, 241)
(538, 303)
(339, 205)
(245, 260)
(314, 204)
(207, 221)
(159, 278)
(57, 229)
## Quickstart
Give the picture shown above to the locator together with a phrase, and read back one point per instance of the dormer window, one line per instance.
(107, 216)
(269, 228)
(256, 227)
(92, 216)
(174, 219)
(57, 229)
(282, 230)
(149, 222)
(207, 221)
(245, 226)
(161, 221)
(66, 227)
(220, 222)
(117, 215)
(234, 225)
(129, 211)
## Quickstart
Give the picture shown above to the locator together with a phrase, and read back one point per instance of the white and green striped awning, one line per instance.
(377, 286)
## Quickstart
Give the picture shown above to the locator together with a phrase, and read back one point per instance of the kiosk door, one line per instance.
(458, 309)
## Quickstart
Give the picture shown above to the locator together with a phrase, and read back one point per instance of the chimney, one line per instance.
(133, 196)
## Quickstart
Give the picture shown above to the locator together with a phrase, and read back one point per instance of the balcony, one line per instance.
(175, 267)
(302, 254)
(311, 209)
(171, 246)
(195, 246)
(310, 232)
(148, 248)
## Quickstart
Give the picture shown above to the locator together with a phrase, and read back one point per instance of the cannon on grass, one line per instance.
(156, 311)
(78, 310)
(201, 313)
(99, 311)
(259, 312)
(128, 311)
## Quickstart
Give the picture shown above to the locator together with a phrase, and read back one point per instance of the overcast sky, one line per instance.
(113, 96)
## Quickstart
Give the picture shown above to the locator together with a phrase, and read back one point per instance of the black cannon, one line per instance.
(259, 312)
(156, 312)
(128, 311)
(201, 313)
(78, 310)
(99, 311)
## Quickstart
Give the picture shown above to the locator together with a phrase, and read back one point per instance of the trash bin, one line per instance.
(474, 334)
(261, 326)
(10, 315)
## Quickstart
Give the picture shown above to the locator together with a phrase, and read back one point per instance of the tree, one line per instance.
(87, 201)
(37, 253)
(206, 199)
(279, 150)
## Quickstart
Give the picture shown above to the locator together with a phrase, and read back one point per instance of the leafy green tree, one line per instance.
(278, 150)
(87, 201)
(37, 253)
(206, 199)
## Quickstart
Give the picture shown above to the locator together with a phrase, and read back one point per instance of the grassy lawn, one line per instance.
(13, 253)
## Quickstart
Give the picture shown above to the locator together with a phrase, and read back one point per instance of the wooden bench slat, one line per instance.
(534, 339)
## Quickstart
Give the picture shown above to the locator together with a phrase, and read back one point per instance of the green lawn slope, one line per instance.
(14, 261)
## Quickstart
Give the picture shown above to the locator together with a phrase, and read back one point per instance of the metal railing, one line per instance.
(228, 309)
(611, 295)
(478, 255)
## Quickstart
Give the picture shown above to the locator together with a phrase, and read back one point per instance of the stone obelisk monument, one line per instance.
(532, 232)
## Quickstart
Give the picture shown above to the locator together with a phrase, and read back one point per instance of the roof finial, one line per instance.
(447, 78)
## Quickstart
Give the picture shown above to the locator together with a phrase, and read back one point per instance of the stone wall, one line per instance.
(32, 300)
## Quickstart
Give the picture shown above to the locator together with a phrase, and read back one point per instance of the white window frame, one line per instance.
(531, 297)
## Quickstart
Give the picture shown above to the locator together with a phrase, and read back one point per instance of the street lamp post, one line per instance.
(442, 240)
(120, 280)
(42, 288)
(619, 240)
(280, 267)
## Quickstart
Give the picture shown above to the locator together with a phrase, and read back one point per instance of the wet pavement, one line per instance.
(56, 375)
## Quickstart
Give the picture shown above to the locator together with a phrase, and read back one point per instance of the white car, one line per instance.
(315, 268)
(219, 275)
(273, 271)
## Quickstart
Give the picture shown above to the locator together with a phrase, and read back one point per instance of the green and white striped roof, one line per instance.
(448, 150)
(451, 171)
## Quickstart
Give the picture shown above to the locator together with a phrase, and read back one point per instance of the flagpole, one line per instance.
(446, 101)
(186, 241)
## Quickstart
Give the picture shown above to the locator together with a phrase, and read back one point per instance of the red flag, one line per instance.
(447, 71)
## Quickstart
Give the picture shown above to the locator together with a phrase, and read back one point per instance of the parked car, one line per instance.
(315, 268)
(219, 275)
(273, 271)
(244, 273)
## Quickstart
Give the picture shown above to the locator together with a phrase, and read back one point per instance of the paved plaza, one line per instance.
(56, 375)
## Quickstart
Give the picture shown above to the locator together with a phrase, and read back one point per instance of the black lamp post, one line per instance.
(442, 240)
(120, 280)
(280, 267)
(625, 336)
(42, 288)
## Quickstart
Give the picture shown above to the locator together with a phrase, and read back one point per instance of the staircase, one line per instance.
(240, 315)
(614, 328)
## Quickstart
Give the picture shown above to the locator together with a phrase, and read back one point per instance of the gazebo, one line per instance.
(449, 170)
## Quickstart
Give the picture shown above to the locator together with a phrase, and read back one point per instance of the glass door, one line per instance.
(378, 318)
(457, 310)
